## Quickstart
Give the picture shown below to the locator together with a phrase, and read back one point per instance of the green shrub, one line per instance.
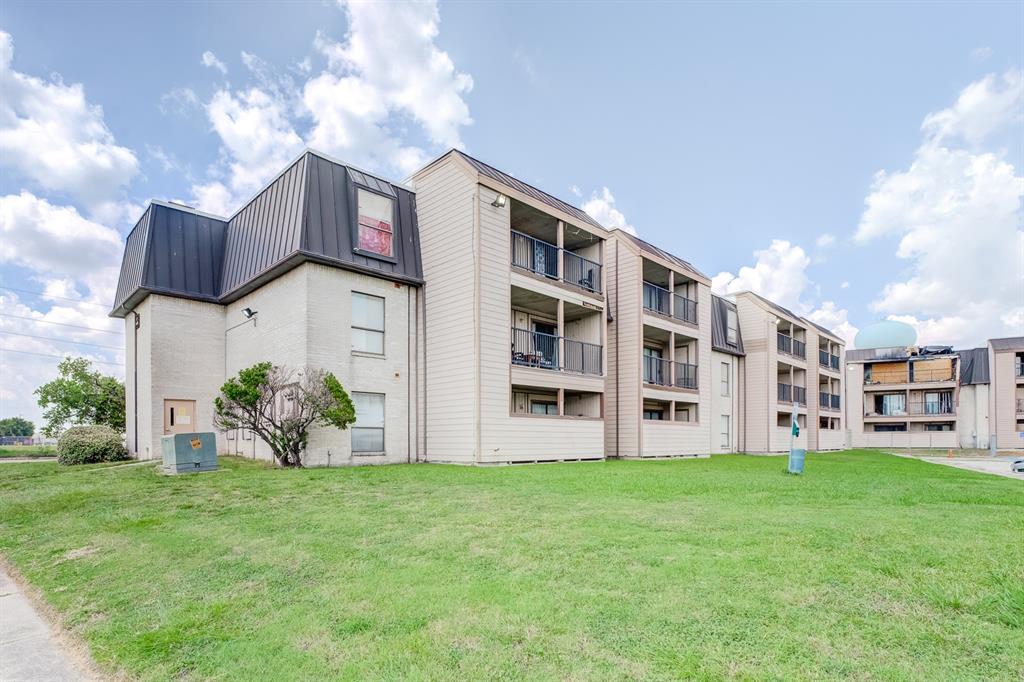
(90, 444)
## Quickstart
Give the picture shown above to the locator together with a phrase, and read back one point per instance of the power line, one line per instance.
(62, 324)
(43, 294)
(50, 338)
(59, 357)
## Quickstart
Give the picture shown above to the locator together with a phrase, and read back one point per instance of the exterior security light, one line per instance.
(248, 312)
(499, 201)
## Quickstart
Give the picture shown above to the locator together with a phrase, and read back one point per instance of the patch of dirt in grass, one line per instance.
(79, 553)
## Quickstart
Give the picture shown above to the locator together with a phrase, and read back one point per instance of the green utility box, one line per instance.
(186, 453)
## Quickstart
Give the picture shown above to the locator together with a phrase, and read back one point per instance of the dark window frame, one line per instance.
(393, 258)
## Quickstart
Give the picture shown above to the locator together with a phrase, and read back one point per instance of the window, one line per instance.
(654, 368)
(375, 216)
(726, 441)
(368, 431)
(880, 428)
(655, 414)
(938, 427)
(367, 323)
(683, 414)
(725, 378)
(543, 407)
(732, 333)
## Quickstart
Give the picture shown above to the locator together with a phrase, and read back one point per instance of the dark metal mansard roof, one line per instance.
(307, 213)
(720, 308)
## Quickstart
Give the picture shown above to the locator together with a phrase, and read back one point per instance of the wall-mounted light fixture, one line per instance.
(499, 201)
(249, 312)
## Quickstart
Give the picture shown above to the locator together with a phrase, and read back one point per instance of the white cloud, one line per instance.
(957, 214)
(779, 274)
(830, 316)
(983, 107)
(845, 285)
(981, 54)
(825, 240)
(51, 135)
(576, 191)
(601, 207)
(387, 72)
(210, 60)
(179, 102)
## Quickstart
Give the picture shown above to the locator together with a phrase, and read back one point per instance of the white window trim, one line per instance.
(382, 331)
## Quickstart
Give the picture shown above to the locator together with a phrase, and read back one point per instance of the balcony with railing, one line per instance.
(828, 401)
(662, 372)
(1020, 406)
(789, 394)
(788, 345)
(661, 301)
(828, 360)
(545, 259)
(1018, 369)
(556, 353)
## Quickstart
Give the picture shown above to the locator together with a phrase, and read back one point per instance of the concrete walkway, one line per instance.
(29, 649)
(1000, 466)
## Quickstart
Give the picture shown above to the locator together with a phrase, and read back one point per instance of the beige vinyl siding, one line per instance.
(625, 346)
(724, 405)
(445, 210)
(972, 416)
(853, 408)
(1004, 390)
(504, 437)
(759, 375)
(673, 439)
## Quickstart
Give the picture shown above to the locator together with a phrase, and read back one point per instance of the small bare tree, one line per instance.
(279, 407)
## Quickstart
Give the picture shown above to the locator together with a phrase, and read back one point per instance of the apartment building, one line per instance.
(472, 317)
(659, 338)
(1006, 391)
(903, 397)
(321, 268)
(785, 357)
(515, 336)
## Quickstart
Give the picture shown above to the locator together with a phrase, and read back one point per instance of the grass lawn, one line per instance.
(7, 451)
(868, 567)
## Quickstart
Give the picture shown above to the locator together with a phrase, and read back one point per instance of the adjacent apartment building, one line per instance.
(321, 268)
(473, 318)
(792, 370)
(937, 397)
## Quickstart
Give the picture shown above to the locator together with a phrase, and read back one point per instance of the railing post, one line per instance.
(560, 343)
(560, 240)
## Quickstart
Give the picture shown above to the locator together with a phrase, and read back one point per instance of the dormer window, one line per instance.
(376, 217)
(731, 327)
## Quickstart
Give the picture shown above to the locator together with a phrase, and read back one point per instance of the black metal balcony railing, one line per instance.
(548, 351)
(823, 358)
(790, 394)
(917, 409)
(684, 309)
(541, 258)
(581, 272)
(1019, 369)
(828, 401)
(790, 346)
(833, 361)
(661, 372)
(686, 375)
(582, 357)
(656, 298)
(799, 349)
(1020, 405)
(534, 255)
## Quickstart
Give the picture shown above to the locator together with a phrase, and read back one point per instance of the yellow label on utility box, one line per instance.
(196, 443)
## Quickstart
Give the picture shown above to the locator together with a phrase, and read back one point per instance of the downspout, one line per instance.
(408, 379)
(423, 305)
(135, 379)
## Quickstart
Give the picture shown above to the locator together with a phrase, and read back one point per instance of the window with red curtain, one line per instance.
(375, 214)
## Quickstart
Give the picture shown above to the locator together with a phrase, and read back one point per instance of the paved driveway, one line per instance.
(999, 466)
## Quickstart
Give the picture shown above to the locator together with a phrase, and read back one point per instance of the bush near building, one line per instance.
(90, 444)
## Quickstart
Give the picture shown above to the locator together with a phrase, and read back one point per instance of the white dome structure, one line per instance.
(886, 334)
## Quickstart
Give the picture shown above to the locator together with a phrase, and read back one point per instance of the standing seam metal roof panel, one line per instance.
(529, 190)
(973, 366)
(719, 327)
(134, 261)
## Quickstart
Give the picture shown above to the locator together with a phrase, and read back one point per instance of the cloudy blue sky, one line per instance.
(852, 161)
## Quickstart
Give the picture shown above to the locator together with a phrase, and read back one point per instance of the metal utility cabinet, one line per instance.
(186, 453)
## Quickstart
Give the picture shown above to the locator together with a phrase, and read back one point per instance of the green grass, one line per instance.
(8, 451)
(867, 567)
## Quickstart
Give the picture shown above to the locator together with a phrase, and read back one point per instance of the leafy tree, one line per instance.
(279, 408)
(80, 395)
(17, 426)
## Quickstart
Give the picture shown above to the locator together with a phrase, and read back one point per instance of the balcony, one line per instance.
(790, 346)
(1018, 369)
(661, 301)
(542, 258)
(828, 401)
(662, 372)
(1020, 406)
(555, 353)
(916, 409)
(792, 394)
(828, 360)
(917, 376)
